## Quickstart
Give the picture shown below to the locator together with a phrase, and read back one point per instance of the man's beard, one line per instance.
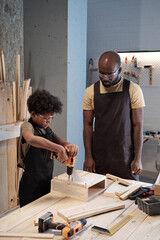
(109, 83)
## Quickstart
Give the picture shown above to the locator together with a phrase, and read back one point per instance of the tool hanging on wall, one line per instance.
(133, 74)
(150, 73)
(133, 58)
(135, 62)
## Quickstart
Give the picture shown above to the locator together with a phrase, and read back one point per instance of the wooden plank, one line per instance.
(158, 179)
(27, 112)
(23, 105)
(27, 235)
(14, 101)
(11, 146)
(147, 229)
(19, 216)
(89, 209)
(157, 189)
(113, 188)
(10, 131)
(2, 103)
(12, 172)
(120, 180)
(3, 178)
(83, 178)
(127, 230)
(66, 189)
(103, 220)
(17, 85)
(10, 102)
(3, 155)
(132, 190)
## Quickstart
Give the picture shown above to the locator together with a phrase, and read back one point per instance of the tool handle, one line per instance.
(53, 154)
(71, 161)
(150, 75)
(56, 225)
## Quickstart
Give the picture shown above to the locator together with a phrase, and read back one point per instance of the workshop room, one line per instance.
(79, 119)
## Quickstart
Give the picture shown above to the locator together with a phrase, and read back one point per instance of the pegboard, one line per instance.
(128, 64)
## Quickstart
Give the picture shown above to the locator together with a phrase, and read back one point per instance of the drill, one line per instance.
(70, 164)
(68, 230)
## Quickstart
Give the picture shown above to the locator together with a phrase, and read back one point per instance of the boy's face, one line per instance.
(43, 121)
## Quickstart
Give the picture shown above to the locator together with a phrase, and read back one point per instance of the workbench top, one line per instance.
(140, 227)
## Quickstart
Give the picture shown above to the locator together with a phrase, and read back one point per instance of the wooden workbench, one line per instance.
(140, 227)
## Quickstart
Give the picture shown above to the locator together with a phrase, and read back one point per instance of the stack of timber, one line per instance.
(11, 117)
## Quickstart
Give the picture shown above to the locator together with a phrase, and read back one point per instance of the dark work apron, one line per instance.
(112, 138)
(38, 171)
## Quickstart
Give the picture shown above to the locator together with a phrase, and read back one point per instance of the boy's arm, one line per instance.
(71, 148)
(41, 142)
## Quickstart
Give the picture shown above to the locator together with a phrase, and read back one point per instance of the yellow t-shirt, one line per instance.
(135, 93)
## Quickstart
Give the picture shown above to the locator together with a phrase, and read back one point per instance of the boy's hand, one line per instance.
(62, 156)
(71, 149)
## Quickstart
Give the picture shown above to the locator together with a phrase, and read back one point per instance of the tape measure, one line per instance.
(113, 229)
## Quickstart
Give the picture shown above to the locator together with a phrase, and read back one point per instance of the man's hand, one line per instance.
(71, 149)
(136, 166)
(89, 165)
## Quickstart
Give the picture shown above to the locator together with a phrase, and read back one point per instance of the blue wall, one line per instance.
(76, 77)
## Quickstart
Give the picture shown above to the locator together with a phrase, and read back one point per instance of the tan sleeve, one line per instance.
(26, 126)
(88, 100)
(136, 96)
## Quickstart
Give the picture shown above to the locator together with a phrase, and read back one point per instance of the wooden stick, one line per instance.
(17, 84)
(14, 101)
(158, 179)
(26, 235)
(3, 67)
(120, 180)
(132, 190)
(23, 108)
(0, 69)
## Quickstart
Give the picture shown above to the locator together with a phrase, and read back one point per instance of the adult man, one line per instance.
(115, 145)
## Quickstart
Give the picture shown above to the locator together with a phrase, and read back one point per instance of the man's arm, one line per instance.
(89, 164)
(137, 120)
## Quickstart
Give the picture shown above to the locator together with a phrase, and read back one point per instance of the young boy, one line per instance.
(36, 143)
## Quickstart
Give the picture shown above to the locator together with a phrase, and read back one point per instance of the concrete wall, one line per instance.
(45, 53)
(128, 26)
(55, 59)
(11, 36)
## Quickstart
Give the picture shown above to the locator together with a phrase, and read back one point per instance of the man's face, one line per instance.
(109, 75)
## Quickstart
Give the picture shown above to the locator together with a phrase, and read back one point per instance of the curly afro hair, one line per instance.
(42, 102)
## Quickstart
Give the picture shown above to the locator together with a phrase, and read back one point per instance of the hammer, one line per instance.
(150, 73)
